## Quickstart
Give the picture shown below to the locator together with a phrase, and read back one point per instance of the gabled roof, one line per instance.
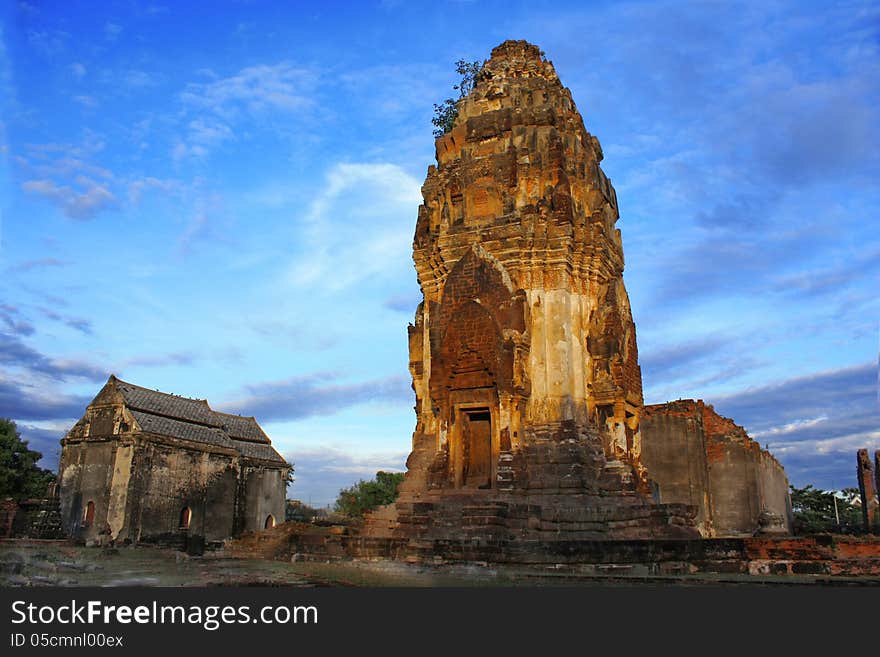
(193, 419)
(242, 427)
(162, 403)
(184, 430)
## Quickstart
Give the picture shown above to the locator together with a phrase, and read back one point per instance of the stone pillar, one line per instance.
(868, 488)
(877, 474)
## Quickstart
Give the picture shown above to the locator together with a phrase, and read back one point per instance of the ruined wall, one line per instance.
(733, 485)
(265, 496)
(86, 472)
(166, 478)
(697, 456)
(774, 493)
(94, 466)
(877, 471)
(674, 452)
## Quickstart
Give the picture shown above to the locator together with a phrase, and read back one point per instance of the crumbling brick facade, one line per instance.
(523, 352)
(142, 465)
(699, 457)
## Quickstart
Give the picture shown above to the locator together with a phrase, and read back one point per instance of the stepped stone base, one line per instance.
(820, 557)
(512, 517)
(557, 486)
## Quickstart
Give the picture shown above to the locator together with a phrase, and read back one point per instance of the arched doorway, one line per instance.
(89, 514)
(270, 522)
(185, 517)
(473, 376)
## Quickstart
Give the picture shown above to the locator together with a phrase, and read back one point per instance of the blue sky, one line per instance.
(221, 203)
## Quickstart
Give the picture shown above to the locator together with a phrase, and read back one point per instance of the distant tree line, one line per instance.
(364, 496)
(818, 511)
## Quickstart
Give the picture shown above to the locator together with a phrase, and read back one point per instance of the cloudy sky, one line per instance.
(220, 203)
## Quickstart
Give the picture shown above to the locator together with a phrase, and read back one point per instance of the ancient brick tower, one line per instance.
(523, 352)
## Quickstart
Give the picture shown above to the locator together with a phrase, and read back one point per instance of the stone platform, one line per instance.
(820, 557)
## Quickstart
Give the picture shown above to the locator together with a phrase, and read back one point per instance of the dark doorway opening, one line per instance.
(477, 443)
(185, 517)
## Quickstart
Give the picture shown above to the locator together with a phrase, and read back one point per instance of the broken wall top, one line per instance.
(718, 429)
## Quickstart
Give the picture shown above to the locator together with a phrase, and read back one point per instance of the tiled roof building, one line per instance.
(143, 465)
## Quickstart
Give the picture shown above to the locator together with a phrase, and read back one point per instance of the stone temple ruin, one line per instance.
(523, 352)
(703, 459)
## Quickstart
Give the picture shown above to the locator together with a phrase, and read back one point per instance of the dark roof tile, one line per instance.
(194, 420)
(162, 403)
(258, 451)
(184, 430)
(245, 428)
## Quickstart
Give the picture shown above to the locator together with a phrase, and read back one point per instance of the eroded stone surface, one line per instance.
(142, 465)
(523, 352)
(699, 457)
(869, 484)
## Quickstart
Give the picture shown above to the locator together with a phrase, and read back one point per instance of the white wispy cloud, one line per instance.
(47, 42)
(316, 394)
(254, 89)
(256, 93)
(790, 427)
(158, 360)
(814, 424)
(67, 165)
(112, 31)
(67, 176)
(136, 78)
(847, 444)
(206, 223)
(38, 263)
(84, 202)
(136, 188)
(359, 222)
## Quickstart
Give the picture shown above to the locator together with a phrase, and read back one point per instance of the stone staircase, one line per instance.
(557, 485)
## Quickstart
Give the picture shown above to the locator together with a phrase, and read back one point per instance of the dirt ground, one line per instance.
(56, 563)
(59, 563)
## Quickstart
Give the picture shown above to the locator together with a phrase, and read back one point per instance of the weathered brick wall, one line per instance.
(525, 318)
(674, 451)
(86, 472)
(733, 486)
(701, 457)
(166, 479)
(265, 496)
